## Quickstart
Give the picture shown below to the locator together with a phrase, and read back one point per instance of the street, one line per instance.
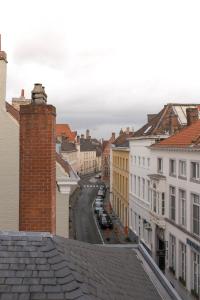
(84, 222)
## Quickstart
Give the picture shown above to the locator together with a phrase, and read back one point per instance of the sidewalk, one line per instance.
(119, 234)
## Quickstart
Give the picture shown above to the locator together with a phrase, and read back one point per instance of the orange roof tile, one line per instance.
(187, 137)
(64, 130)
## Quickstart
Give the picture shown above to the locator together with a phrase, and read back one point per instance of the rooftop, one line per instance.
(42, 266)
(188, 137)
(64, 130)
(162, 122)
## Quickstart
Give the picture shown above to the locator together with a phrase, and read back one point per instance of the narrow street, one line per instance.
(84, 222)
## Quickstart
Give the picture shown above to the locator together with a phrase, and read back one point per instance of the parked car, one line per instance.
(105, 222)
(101, 212)
(101, 193)
(97, 208)
(98, 176)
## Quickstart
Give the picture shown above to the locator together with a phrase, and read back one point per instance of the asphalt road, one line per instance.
(85, 227)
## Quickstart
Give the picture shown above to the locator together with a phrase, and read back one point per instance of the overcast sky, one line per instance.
(105, 64)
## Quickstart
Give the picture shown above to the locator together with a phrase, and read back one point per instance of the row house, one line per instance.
(164, 200)
(119, 179)
(106, 158)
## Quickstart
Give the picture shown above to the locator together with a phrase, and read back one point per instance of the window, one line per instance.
(172, 167)
(163, 204)
(134, 184)
(135, 160)
(182, 257)
(195, 272)
(160, 165)
(148, 162)
(172, 196)
(172, 258)
(139, 186)
(143, 161)
(196, 213)
(182, 207)
(143, 188)
(139, 160)
(195, 170)
(182, 168)
(148, 191)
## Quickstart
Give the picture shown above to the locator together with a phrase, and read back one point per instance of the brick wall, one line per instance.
(37, 168)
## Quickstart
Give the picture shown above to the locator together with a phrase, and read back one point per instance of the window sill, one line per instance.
(195, 180)
(172, 175)
(182, 177)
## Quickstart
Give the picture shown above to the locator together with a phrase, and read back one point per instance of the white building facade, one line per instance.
(164, 208)
(177, 206)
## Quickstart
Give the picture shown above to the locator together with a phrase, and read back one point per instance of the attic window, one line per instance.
(148, 128)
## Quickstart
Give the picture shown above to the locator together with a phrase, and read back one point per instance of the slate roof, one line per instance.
(87, 145)
(67, 146)
(187, 137)
(122, 139)
(42, 266)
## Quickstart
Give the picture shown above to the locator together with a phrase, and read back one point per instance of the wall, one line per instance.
(9, 172)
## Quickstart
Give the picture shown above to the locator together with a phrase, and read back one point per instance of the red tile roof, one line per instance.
(64, 130)
(187, 137)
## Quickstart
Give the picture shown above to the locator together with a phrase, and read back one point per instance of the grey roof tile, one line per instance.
(39, 266)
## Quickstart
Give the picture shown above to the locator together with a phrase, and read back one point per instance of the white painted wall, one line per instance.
(3, 71)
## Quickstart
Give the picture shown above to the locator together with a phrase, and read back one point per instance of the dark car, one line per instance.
(101, 193)
(101, 212)
(105, 222)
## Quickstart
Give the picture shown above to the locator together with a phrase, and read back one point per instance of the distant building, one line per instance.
(119, 176)
(16, 102)
(63, 131)
(105, 158)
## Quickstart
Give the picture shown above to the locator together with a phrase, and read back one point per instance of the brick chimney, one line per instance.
(37, 164)
(192, 115)
(3, 72)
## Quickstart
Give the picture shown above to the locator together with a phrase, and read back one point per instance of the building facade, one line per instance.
(120, 183)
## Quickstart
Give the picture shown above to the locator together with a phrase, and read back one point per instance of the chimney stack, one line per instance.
(192, 115)
(87, 133)
(82, 136)
(3, 72)
(113, 136)
(22, 93)
(37, 164)
(78, 139)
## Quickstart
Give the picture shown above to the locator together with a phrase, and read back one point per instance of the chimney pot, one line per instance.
(38, 94)
(192, 115)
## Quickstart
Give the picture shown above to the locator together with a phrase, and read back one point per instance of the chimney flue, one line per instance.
(38, 94)
(192, 115)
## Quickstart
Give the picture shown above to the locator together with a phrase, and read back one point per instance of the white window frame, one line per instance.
(182, 207)
(195, 200)
(195, 272)
(182, 261)
(172, 257)
(160, 164)
(197, 170)
(172, 196)
(172, 172)
(182, 165)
